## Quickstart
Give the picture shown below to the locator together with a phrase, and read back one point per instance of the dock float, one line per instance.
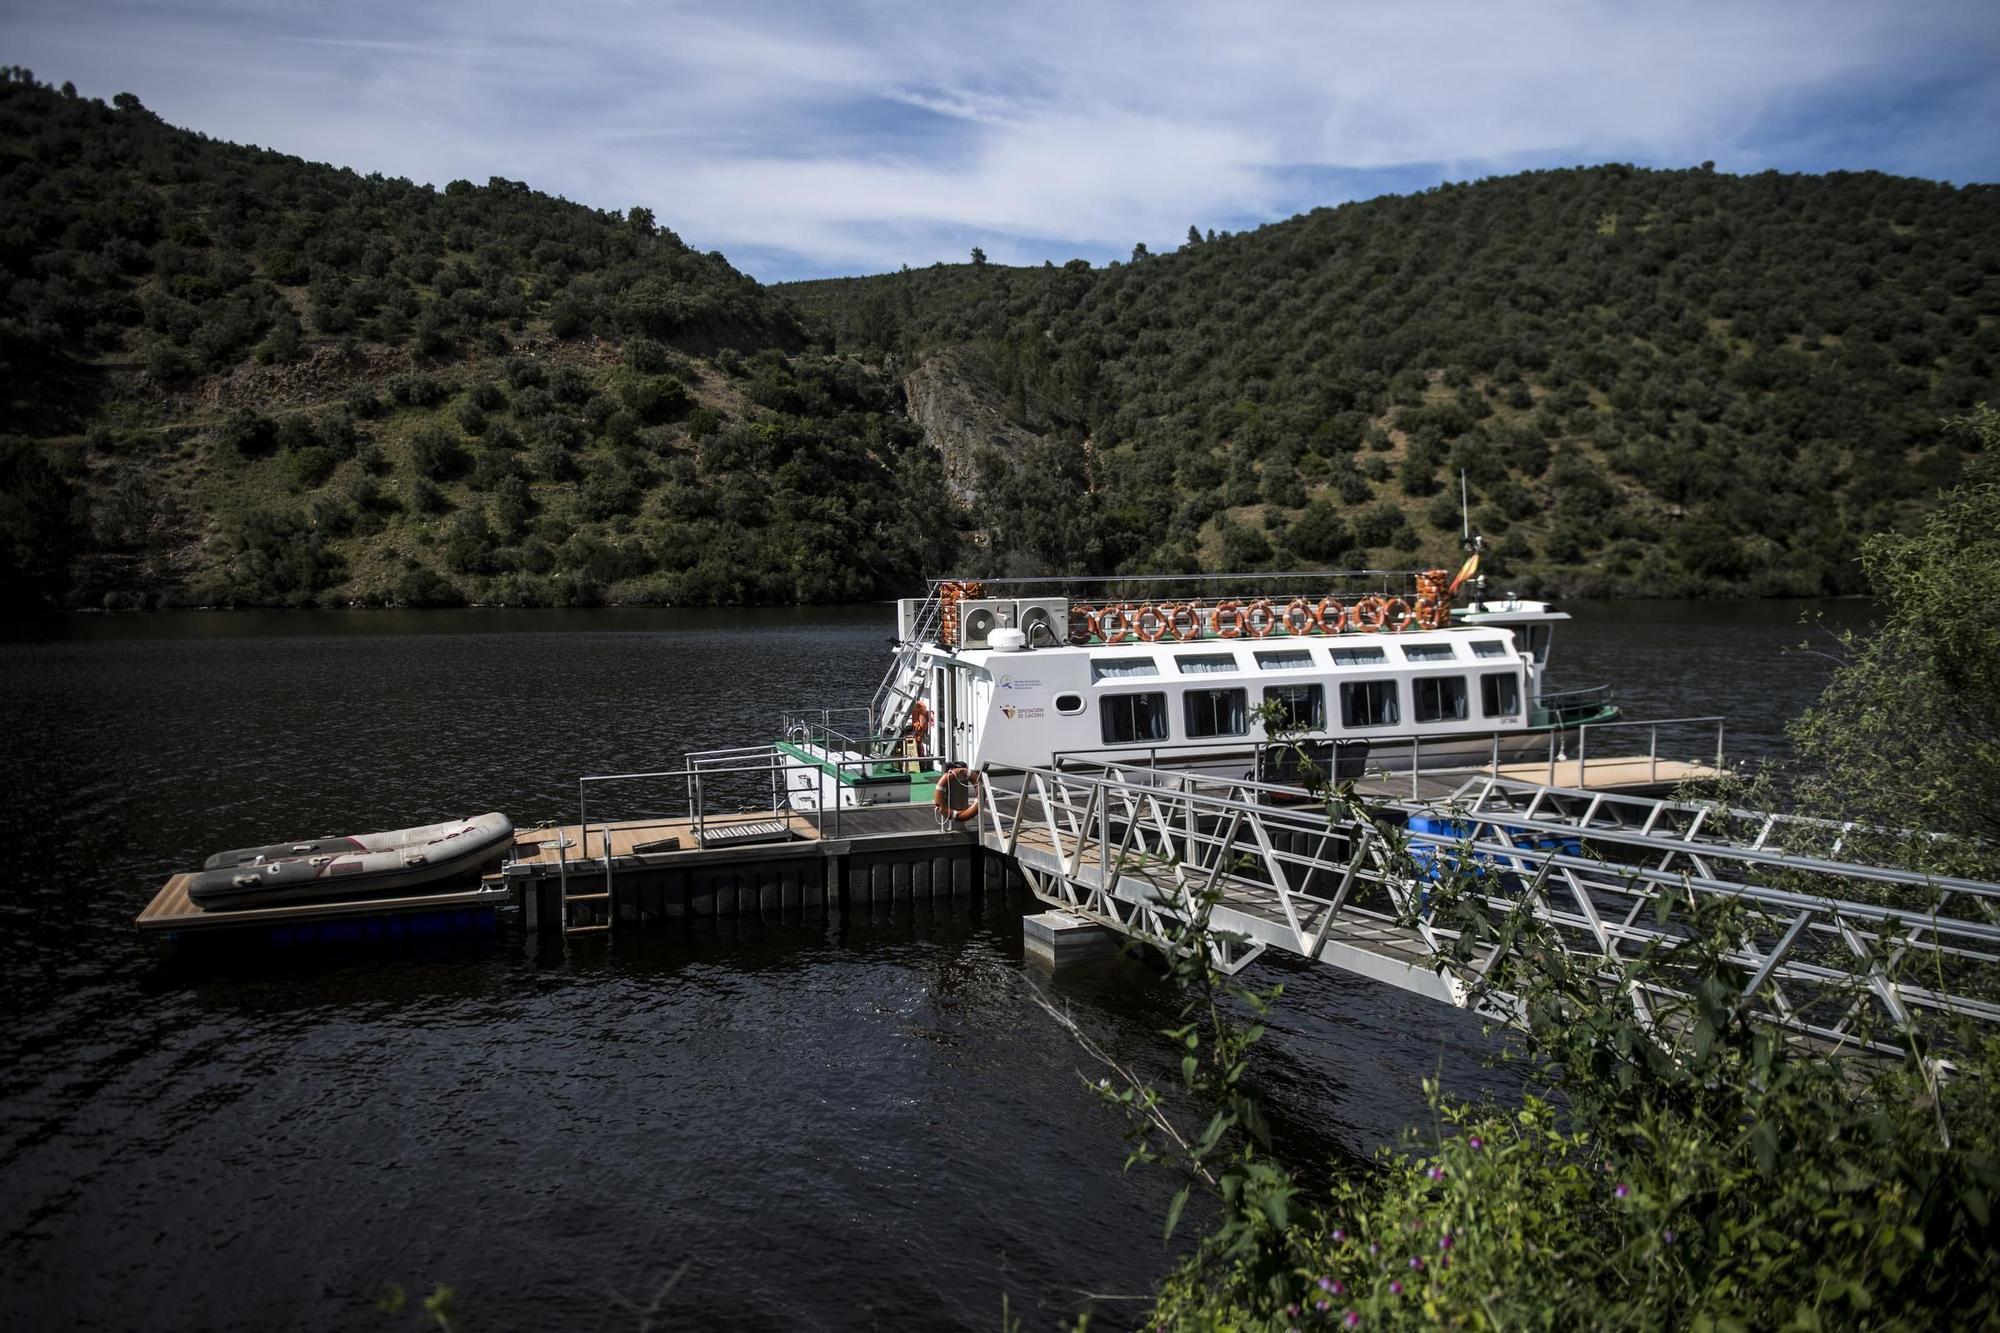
(577, 878)
(471, 910)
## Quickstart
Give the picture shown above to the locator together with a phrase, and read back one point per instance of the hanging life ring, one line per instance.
(1232, 613)
(1114, 623)
(1396, 614)
(1426, 613)
(1185, 621)
(941, 795)
(1369, 613)
(1331, 615)
(1259, 618)
(1152, 623)
(1082, 624)
(1298, 617)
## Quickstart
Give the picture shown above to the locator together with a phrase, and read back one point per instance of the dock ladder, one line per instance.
(580, 898)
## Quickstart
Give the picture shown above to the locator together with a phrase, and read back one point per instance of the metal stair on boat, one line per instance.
(903, 684)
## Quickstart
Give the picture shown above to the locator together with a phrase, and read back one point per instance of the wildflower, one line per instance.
(1339, 1235)
(1667, 1235)
(1475, 1143)
(1327, 1284)
(1444, 1241)
(1437, 1173)
(1321, 1305)
(1353, 1320)
(1374, 1248)
(1621, 1192)
(1395, 1288)
(1417, 1262)
(1292, 1309)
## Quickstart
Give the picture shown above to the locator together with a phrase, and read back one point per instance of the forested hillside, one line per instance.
(231, 376)
(1661, 382)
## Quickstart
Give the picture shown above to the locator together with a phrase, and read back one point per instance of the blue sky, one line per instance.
(807, 140)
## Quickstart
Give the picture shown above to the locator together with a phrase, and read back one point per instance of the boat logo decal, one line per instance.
(1009, 683)
(1010, 712)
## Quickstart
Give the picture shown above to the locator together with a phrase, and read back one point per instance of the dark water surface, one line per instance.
(837, 1125)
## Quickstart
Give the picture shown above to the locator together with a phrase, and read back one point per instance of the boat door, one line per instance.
(959, 707)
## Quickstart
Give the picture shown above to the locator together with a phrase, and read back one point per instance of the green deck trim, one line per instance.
(877, 770)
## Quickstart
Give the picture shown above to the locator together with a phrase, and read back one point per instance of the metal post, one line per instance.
(1552, 757)
(1582, 754)
(1653, 753)
(607, 872)
(1416, 750)
(1718, 747)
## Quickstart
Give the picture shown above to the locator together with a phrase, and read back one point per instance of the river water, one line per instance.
(859, 1124)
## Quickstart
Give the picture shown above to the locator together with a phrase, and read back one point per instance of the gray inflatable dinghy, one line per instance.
(322, 869)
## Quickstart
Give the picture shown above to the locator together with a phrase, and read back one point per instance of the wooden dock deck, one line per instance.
(1631, 775)
(173, 912)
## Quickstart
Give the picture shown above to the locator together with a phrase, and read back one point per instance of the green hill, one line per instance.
(1662, 382)
(232, 376)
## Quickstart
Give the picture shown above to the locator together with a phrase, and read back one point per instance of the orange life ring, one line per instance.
(1082, 624)
(1233, 610)
(1331, 615)
(1394, 621)
(1249, 618)
(1306, 620)
(941, 795)
(1114, 623)
(1185, 621)
(1426, 613)
(1162, 621)
(1369, 613)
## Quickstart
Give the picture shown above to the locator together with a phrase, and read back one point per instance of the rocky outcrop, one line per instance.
(961, 414)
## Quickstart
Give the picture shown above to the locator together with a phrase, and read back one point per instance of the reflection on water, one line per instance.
(845, 1124)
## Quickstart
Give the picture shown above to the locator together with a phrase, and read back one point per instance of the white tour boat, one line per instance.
(992, 681)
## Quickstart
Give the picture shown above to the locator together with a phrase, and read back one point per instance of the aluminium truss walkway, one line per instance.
(1833, 949)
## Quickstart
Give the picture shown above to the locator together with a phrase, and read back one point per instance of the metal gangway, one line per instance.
(1835, 950)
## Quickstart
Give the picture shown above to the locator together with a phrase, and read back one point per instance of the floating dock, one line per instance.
(580, 879)
(645, 871)
(173, 914)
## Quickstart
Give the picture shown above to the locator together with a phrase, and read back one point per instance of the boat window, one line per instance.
(1428, 652)
(1069, 705)
(1304, 705)
(1363, 656)
(1500, 694)
(1438, 698)
(1294, 660)
(1538, 643)
(1206, 664)
(1134, 717)
(1489, 648)
(1117, 668)
(1369, 703)
(1215, 713)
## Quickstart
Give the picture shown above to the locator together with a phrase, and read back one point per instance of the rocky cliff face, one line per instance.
(962, 415)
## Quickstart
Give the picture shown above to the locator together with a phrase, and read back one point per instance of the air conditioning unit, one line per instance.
(978, 619)
(1050, 611)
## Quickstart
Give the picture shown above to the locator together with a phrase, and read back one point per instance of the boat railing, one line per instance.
(827, 728)
(737, 781)
(1565, 704)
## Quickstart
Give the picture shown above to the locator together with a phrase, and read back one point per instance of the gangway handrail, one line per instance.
(1128, 845)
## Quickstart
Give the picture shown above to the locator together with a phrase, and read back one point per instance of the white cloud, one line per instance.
(825, 139)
